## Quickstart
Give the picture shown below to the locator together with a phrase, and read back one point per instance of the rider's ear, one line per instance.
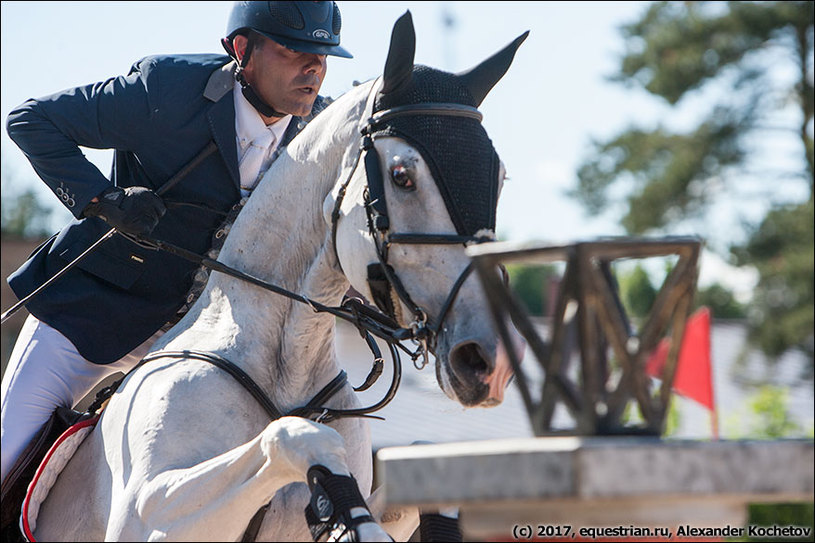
(239, 44)
(399, 66)
(481, 79)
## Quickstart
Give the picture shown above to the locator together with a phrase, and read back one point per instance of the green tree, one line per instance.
(770, 416)
(632, 417)
(24, 216)
(782, 249)
(531, 285)
(722, 303)
(781, 514)
(637, 293)
(728, 51)
(770, 419)
(22, 213)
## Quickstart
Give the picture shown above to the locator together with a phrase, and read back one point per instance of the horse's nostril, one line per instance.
(469, 358)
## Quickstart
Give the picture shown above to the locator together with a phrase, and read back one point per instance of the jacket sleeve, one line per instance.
(112, 114)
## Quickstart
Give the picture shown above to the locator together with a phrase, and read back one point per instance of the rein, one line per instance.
(366, 320)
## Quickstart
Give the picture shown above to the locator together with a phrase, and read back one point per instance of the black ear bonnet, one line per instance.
(457, 150)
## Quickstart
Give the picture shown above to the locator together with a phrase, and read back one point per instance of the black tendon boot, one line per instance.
(337, 509)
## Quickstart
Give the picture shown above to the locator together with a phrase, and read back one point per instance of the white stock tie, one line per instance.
(252, 162)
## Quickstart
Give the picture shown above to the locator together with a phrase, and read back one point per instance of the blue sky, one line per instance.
(541, 117)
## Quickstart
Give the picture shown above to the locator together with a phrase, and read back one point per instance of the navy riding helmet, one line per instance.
(308, 27)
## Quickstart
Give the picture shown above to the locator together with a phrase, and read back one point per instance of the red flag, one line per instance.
(694, 376)
(656, 362)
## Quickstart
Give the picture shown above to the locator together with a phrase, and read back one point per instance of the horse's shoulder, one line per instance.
(182, 397)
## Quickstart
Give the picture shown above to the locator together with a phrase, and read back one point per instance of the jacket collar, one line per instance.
(220, 82)
(222, 117)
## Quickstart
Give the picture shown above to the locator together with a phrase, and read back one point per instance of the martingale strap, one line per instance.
(241, 377)
(238, 374)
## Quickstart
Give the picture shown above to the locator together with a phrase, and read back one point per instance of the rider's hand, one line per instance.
(131, 210)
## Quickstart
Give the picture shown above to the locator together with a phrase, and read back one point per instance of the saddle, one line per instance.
(15, 486)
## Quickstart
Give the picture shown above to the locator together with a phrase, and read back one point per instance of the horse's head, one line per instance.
(428, 184)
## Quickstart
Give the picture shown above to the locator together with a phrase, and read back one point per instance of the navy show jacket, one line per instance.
(157, 119)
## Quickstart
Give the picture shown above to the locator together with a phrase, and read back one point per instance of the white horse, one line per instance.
(183, 452)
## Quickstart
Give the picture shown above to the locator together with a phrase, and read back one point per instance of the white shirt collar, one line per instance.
(249, 124)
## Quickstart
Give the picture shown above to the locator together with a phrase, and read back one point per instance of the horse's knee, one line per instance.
(304, 443)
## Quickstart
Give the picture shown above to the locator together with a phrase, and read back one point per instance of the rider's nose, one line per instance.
(316, 63)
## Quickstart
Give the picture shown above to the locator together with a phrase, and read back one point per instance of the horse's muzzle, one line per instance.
(470, 369)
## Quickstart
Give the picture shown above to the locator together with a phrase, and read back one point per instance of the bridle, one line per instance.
(382, 278)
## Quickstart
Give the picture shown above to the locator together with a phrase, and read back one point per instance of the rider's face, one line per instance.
(285, 79)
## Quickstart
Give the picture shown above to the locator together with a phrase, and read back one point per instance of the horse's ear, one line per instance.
(399, 66)
(481, 79)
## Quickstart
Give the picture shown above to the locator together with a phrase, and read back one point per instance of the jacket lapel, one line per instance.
(222, 117)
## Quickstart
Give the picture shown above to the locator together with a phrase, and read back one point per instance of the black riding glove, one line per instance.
(131, 210)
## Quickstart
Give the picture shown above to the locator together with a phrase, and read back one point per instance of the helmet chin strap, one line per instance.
(248, 92)
(252, 97)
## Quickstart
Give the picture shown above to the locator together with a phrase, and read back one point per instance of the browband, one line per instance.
(431, 108)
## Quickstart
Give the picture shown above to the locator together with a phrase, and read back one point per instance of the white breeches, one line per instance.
(46, 371)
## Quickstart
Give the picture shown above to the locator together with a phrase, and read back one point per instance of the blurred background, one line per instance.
(616, 118)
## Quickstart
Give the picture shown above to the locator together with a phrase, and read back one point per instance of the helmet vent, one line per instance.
(336, 21)
(288, 14)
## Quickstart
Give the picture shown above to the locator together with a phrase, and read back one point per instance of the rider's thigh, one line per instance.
(46, 371)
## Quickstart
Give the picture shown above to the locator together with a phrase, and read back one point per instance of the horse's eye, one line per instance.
(401, 178)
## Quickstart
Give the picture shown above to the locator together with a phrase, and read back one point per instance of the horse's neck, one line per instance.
(282, 237)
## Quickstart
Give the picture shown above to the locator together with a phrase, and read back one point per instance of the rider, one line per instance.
(102, 316)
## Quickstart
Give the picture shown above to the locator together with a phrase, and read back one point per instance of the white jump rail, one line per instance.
(558, 486)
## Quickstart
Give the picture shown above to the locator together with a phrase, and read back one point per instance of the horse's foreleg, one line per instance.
(399, 522)
(215, 500)
(402, 521)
